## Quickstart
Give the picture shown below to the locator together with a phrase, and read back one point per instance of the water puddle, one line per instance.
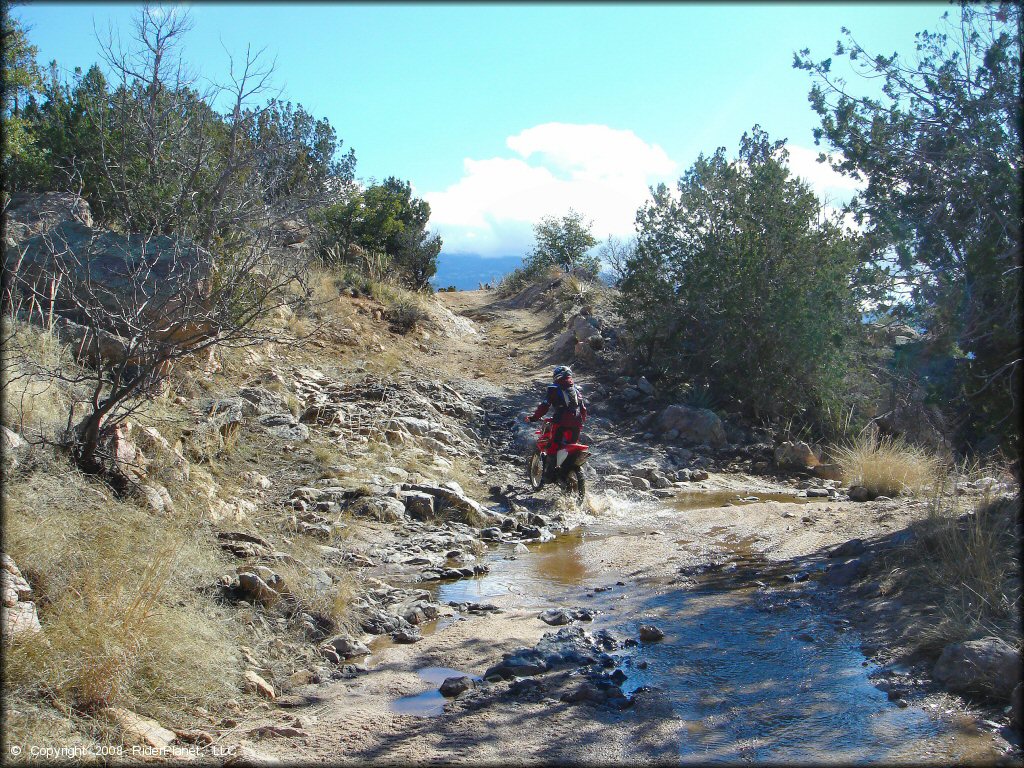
(691, 500)
(430, 703)
(536, 578)
(753, 670)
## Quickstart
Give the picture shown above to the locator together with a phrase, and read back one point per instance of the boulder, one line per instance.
(103, 267)
(285, 426)
(556, 617)
(137, 730)
(346, 647)
(828, 471)
(382, 508)
(418, 505)
(583, 329)
(256, 684)
(645, 386)
(12, 445)
(259, 401)
(33, 213)
(693, 425)
(795, 455)
(260, 585)
(650, 633)
(564, 346)
(989, 667)
(453, 686)
(859, 493)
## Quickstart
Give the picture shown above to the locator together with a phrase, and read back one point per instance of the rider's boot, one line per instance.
(550, 468)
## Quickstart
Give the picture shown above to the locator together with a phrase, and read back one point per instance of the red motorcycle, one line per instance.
(569, 476)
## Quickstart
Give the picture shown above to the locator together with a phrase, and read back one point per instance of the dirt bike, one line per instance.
(569, 476)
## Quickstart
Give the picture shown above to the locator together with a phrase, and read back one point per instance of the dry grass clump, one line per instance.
(115, 588)
(887, 466)
(34, 402)
(962, 566)
(969, 552)
(406, 311)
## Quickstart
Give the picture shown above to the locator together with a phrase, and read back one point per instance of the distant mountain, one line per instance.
(467, 270)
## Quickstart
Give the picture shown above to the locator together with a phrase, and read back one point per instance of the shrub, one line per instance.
(887, 466)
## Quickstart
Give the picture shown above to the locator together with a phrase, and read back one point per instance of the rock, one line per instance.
(1017, 706)
(556, 617)
(989, 667)
(259, 401)
(640, 483)
(285, 426)
(851, 548)
(382, 508)
(137, 730)
(406, 637)
(217, 430)
(564, 346)
(19, 617)
(859, 493)
(254, 587)
(259, 686)
(694, 425)
(645, 386)
(795, 455)
(418, 505)
(12, 445)
(291, 232)
(453, 497)
(698, 475)
(817, 493)
(453, 686)
(828, 471)
(583, 329)
(33, 213)
(521, 549)
(346, 647)
(256, 480)
(650, 633)
(158, 499)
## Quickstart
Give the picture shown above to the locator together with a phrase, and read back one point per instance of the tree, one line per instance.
(383, 219)
(617, 254)
(564, 243)
(741, 283)
(21, 80)
(940, 150)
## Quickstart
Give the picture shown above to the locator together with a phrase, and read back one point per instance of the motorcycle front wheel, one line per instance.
(535, 470)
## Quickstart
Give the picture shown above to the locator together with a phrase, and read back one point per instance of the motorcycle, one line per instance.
(569, 476)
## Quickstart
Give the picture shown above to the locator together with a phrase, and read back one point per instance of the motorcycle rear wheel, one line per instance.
(535, 470)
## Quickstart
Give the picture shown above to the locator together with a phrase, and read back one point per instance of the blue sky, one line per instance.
(499, 114)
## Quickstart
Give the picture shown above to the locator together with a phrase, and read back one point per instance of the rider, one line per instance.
(569, 415)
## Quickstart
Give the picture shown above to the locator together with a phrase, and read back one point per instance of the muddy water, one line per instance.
(753, 671)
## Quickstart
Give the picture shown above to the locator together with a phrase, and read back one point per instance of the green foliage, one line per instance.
(21, 80)
(564, 243)
(741, 284)
(940, 150)
(149, 151)
(384, 218)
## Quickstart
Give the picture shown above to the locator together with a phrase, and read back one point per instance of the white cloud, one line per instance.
(599, 171)
(828, 184)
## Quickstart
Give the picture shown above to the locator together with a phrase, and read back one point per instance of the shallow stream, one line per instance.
(754, 670)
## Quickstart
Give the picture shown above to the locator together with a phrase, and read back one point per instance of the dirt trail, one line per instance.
(644, 550)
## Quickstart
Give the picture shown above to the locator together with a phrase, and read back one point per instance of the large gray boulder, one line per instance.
(988, 667)
(693, 425)
(101, 268)
(31, 213)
